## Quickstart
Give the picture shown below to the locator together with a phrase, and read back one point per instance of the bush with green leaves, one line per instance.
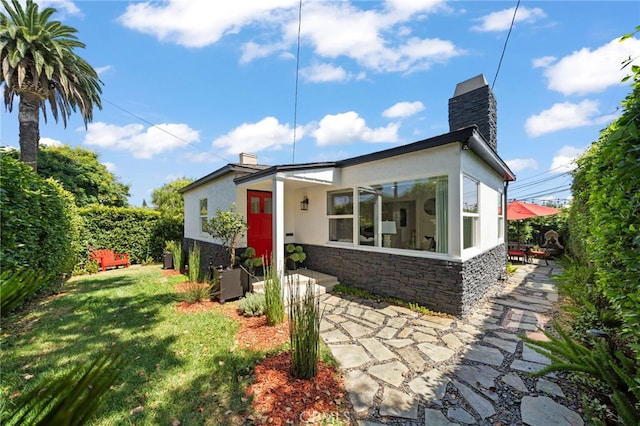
(617, 373)
(135, 231)
(252, 305)
(227, 226)
(606, 210)
(39, 222)
(304, 328)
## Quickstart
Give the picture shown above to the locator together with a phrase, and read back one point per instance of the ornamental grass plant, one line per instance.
(274, 302)
(304, 328)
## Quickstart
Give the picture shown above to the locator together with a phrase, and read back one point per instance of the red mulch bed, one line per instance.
(278, 398)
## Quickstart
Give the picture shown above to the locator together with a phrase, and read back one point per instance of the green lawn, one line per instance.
(180, 366)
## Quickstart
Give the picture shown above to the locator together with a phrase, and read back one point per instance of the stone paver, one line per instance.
(402, 367)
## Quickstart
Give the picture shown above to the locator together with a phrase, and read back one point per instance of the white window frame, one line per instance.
(204, 217)
(470, 216)
(347, 216)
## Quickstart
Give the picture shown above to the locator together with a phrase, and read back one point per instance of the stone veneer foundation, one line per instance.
(451, 287)
(447, 286)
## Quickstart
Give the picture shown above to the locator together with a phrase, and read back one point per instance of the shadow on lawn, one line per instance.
(178, 366)
(87, 318)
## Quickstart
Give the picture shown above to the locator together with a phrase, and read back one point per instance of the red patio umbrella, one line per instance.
(517, 210)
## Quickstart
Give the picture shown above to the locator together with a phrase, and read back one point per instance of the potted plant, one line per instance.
(295, 255)
(227, 226)
(249, 264)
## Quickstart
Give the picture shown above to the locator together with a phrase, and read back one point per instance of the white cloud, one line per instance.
(564, 115)
(193, 24)
(564, 160)
(141, 142)
(403, 109)
(501, 20)
(50, 142)
(102, 70)
(63, 6)
(374, 38)
(322, 73)
(591, 71)
(110, 166)
(543, 62)
(347, 127)
(519, 164)
(267, 133)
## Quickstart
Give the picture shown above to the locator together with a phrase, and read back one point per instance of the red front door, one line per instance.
(259, 234)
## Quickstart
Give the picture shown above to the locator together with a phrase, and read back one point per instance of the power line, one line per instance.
(295, 102)
(164, 130)
(504, 48)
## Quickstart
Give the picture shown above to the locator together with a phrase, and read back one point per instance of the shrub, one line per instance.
(196, 292)
(177, 256)
(252, 305)
(304, 329)
(194, 264)
(274, 303)
(39, 222)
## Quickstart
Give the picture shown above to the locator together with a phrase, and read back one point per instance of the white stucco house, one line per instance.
(423, 222)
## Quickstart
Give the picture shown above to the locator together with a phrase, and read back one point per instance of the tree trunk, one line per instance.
(29, 118)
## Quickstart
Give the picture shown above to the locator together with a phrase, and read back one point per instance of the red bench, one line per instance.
(107, 258)
(518, 254)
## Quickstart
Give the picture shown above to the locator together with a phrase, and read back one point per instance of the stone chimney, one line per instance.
(473, 103)
(246, 158)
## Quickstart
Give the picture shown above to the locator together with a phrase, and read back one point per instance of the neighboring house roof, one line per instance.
(237, 168)
(469, 137)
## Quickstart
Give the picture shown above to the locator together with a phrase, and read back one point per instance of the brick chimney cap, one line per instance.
(471, 84)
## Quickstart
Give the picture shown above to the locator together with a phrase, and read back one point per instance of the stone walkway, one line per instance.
(404, 368)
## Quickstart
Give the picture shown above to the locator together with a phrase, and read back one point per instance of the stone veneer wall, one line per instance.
(208, 252)
(481, 273)
(441, 285)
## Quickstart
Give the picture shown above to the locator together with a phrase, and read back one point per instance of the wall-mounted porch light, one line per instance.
(304, 204)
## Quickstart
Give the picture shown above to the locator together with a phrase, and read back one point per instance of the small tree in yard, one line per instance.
(227, 226)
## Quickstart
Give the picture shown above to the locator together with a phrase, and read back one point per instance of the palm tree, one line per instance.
(38, 65)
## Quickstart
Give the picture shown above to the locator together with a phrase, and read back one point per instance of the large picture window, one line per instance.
(470, 214)
(340, 214)
(409, 215)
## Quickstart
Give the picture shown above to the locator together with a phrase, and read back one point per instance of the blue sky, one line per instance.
(189, 84)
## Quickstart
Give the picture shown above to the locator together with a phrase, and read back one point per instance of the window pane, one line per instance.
(203, 207)
(340, 202)
(267, 206)
(255, 205)
(470, 195)
(404, 215)
(469, 231)
(341, 230)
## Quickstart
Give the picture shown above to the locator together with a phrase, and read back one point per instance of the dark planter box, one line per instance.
(230, 284)
(247, 281)
(167, 260)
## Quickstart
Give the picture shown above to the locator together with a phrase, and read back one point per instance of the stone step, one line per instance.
(323, 283)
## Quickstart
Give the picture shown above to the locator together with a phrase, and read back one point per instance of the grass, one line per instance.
(179, 366)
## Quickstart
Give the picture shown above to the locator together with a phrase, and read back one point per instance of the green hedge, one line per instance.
(606, 211)
(39, 221)
(140, 232)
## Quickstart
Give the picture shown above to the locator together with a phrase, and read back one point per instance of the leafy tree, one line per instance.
(168, 200)
(81, 173)
(38, 64)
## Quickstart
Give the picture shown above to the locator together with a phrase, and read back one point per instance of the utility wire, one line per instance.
(164, 130)
(505, 44)
(295, 102)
